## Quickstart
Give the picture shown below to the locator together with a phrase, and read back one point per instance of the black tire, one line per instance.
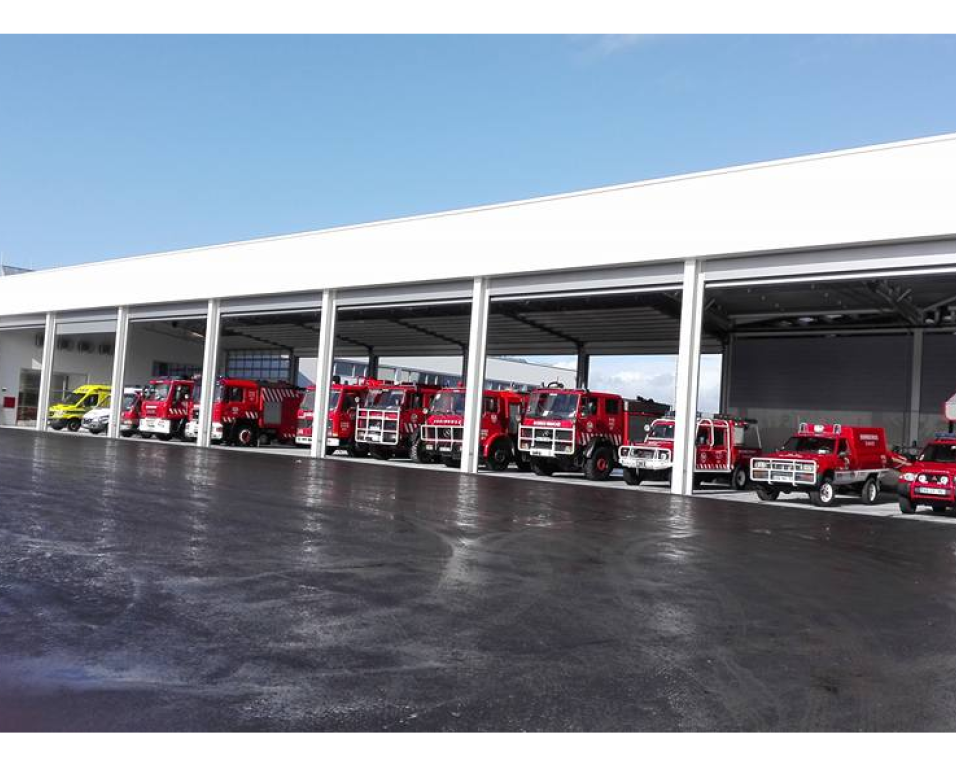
(147, 436)
(164, 436)
(767, 493)
(245, 435)
(379, 453)
(451, 462)
(633, 476)
(906, 505)
(542, 468)
(522, 462)
(739, 478)
(499, 455)
(126, 433)
(359, 451)
(824, 495)
(330, 450)
(599, 465)
(73, 425)
(870, 494)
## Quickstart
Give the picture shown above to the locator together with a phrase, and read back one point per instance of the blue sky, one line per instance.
(113, 146)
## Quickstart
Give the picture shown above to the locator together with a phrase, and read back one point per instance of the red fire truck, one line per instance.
(129, 417)
(344, 400)
(572, 431)
(724, 447)
(824, 460)
(389, 421)
(501, 414)
(930, 480)
(249, 412)
(166, 407)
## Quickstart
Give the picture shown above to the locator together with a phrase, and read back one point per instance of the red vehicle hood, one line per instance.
(931, 467)
(808, 456)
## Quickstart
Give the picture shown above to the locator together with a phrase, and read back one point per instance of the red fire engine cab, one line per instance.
(572, 431)
(724, 448)
(249, 412)
(501, 413)
(823, 460)
(344, 400)
(929, 480)
(389, 422)
(166, 409)
(129, 417)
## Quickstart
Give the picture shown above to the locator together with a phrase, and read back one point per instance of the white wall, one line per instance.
(873, 194)
(147, 345)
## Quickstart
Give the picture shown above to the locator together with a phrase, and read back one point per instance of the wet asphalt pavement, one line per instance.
(148, 587)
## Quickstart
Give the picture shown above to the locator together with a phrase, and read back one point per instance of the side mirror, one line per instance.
(357, 400)
(425, 410)
(843, 454)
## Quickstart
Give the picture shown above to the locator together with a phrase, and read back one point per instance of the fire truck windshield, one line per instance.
(662, 430)
(448, 402)
(939, 453)
(386, 399)
(810, 444)
(157, 392)
(334, 397)
(553, 404)
(128, 400)
(308, 401)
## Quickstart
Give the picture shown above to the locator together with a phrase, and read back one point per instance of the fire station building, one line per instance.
(827, 283)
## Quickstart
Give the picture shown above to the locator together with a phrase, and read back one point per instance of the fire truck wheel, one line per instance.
(522, 462)
(73, 426)
(450, 462)
(164, 436)
(739, 479)
(825, 494)
(906, 506)
(499, 456)
(599, 465)
(147, 436)
(126, 433)
(380, 454)
(245, 435)
(542, 468)
(632, 477)
(871, 491)
(330, 450)
(357, 450)
(766, 494)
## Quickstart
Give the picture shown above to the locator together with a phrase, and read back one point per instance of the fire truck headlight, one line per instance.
(909, 477)
(761, 464)
(922, 478)
(944, 480)
(484, 433)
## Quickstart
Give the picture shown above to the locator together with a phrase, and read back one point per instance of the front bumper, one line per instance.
(192, 430)
(645, 458)
(155, 425)
(541, 441)
(783, 472)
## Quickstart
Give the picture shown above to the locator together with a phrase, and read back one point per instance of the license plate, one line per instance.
(331, 442)
(540, 453)
(785, 477)
(444, 448)
(373, 436)
(930, 490)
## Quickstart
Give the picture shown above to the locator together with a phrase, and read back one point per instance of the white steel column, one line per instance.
(210, 360)
(119, 371)
(475, 377)
(916, 385)
(688, 371)
(46, 370)
(324, 364)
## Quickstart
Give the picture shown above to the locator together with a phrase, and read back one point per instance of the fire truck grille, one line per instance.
(377, 426)
(783, 471)
(443, 438)
(546, 442)
(303, 422)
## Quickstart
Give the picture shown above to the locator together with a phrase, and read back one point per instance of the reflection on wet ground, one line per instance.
(144, 587)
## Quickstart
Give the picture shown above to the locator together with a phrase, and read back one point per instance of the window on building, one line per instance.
(259, 365)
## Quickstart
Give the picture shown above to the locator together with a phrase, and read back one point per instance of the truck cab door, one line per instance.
(589, 416)
(721, 445)
(704, 447)
(515, 414)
